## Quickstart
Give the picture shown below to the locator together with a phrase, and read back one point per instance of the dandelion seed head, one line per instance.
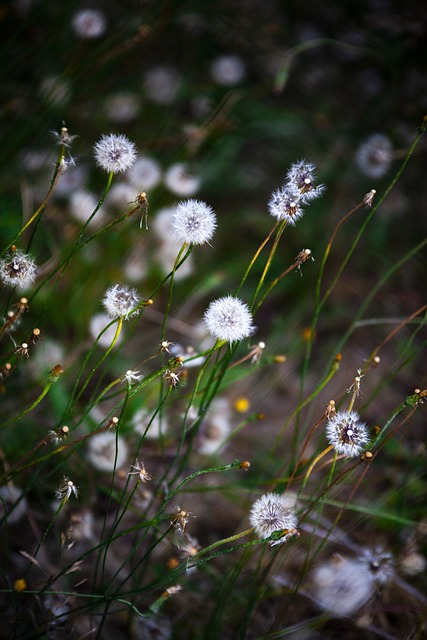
(122, 107)
(271, 513)
(229, 319)
(375, 155)
(285, 204)
(89, 23)
(66, 489)
(228, 70)
(161, 84)
(102, 450)
(115, 153)
(145, 174)
(302, 177)
(379, 563)
(180, 181)
(120, 302)
(194, 222)
(346, 433)
(341, 586)
(18, 269)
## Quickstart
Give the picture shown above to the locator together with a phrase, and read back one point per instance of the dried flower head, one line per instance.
(89, 23)
(181, 518)
(66, 489)
(120, 302)
(194, 222)
(229, 319)
(273, 513)
(141, 471)
(375, 156)
(115, 153)
(17, 269)
(285, 204)
(346, 433)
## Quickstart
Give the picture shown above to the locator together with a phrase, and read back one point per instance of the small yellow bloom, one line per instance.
(242, 404)
(20, 585)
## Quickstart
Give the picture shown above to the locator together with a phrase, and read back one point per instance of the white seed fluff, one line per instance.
(194, 222)
(272, 512)
(229, 318)
(89, 23)
(103, 449)
(17, 269)
(120, 302)
(115, 153)
(285, 204)
(346, 433)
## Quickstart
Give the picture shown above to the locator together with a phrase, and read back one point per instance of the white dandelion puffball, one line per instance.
(103, 448)
(194, 222)
(145, 174)
(229, 319)
(341, 586)
(273, 512)
(115, 153)
(228, 70)
(120, 302)
(346, 433)
(180, 181)
(18, 269)
(89, 23)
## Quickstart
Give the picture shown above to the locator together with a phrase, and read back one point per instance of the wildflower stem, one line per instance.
(268, 263)
(255, 257)
(41, 208)
(315, 461)
(33, 406)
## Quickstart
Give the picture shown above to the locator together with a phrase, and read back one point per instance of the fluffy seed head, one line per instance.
(17, 269)
(229, 318)
(285, 204)
(341, 586)
(89, 23)
(273, 512)
(346, 433)
(302, 176)
(115, 153)
(375, 156)
(180, 181)
(120, 302)
(194, 222)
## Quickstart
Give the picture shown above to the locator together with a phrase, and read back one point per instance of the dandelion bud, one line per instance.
(229, 319)
(17, 269)
(115, 153)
